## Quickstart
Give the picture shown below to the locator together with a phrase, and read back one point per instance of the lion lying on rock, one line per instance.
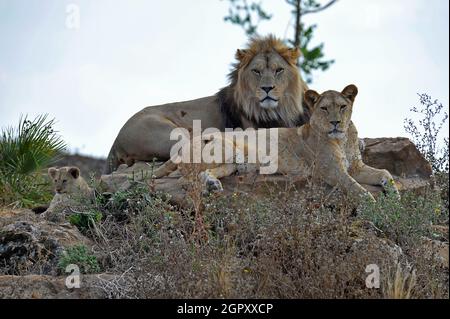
(265, 90)
(327, 147)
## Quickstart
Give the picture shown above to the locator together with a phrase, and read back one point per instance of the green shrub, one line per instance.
(24, 152)
(79, 256)
(85, 220)
(407, 219)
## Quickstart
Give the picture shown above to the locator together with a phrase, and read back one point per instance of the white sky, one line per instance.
(130, 54)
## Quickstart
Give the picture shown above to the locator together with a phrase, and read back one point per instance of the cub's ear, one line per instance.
(75, 172)
(52, 172)
(311, 97)
(350, 92)
(241, 54)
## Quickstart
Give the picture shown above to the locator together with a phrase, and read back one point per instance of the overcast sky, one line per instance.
(130, 54)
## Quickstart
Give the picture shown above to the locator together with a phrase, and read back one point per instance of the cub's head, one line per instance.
(331, 110)
(65, 179)
(266, 83)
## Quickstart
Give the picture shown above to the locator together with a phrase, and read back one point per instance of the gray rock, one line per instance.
(28, 246)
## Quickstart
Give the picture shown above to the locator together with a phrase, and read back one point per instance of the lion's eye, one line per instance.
(65, 181)
(324, 108)
(279, 70)
(257, 72)
(343, 107)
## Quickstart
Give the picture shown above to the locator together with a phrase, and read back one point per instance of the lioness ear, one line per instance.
(75, 172)
(241, 54)
(350, 92)
(52, 172)
(311, 97)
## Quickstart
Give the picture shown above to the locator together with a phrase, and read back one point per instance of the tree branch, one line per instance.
(298, 26)
(329, 4)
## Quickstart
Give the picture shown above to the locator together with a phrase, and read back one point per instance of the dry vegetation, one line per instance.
(290, 244)
(281, 247)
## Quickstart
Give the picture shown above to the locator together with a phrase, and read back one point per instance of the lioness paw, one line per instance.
(388, 184)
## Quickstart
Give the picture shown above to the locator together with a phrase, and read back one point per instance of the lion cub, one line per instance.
(69, 186)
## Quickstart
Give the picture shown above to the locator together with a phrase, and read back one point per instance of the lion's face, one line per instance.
(266, 79)
(267, 86)
(64, 179)
(332, 111)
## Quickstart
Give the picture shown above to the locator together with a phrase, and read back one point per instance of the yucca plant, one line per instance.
(24, 152)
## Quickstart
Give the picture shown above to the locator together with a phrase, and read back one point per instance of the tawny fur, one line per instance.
(69, 188)
(326, 147)
(146, 135)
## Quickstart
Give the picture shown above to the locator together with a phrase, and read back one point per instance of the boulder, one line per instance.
(31, 245)
(401, 158)
(398, 155)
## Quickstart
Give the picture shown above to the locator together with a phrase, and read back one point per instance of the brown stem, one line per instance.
(298, 28)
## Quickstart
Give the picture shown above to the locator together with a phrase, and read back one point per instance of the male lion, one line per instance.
(265, 90)
(326, 147)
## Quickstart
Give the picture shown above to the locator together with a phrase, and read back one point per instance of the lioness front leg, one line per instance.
(374, 176)
(338, 176)
(210, 177)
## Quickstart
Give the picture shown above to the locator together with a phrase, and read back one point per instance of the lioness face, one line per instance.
(332, 111)
(266, 78)
(64, 179)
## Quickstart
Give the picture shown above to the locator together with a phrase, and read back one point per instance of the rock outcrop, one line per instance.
(28, 244)
(399, 156)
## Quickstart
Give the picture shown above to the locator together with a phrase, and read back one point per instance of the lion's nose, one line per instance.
(267, 89)
(335, 123)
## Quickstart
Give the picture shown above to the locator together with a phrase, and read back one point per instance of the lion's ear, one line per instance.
(350, 92)
(294, 54)
(75, 172)
(311, 97)
(52, 172)
(241, 54)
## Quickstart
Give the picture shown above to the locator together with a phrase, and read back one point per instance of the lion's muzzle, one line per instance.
(335, 132)
(268, 102)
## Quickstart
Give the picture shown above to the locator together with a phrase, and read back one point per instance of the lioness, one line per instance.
(68, 185)
(326, 147)
(265, 90)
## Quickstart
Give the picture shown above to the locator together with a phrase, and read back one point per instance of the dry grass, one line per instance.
(237, 246)
(289, 244)
(400, 285)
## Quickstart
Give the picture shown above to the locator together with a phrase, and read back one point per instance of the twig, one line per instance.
(329, 4)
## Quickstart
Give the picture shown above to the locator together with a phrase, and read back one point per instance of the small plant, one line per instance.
(79, 255)
(401, 284)
(407, 219)
(24, 152)
(85, 220)
(425, 133)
